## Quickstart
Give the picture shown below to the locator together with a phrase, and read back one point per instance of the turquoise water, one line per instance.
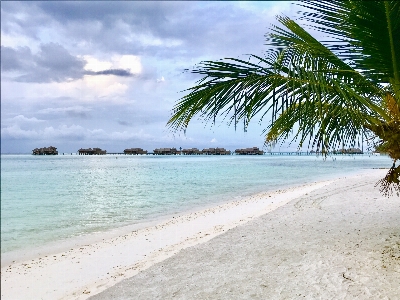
(45, 199)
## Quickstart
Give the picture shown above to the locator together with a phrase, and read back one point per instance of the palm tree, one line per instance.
(328, 94)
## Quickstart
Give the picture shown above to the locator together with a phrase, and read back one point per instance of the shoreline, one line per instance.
(21, 255)
(64, 245)
(156, 242)
(340, 241)
(87, 270)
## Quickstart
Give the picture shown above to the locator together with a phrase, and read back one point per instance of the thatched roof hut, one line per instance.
(45, 151)
(135, 151)
(90, 151)
(249, 151)
(165, 151)
(191, 151)
(215, 151)
(349, 151)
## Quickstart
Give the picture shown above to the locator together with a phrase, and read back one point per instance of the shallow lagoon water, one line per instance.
(45, 199)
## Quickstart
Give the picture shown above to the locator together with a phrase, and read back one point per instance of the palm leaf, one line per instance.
(328, 93)
(368, 32)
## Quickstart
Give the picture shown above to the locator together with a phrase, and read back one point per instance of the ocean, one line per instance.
(46, 200)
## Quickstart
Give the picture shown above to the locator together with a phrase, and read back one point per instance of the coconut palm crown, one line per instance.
(326, 94)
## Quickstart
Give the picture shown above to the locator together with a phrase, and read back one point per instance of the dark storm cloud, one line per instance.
(137, 12)
(79, 17)
(52, 63)
(79, 112)
(124, 123)
(56, 57)
(116, 72)
(155, 28)
(25, 19)
(15, 59)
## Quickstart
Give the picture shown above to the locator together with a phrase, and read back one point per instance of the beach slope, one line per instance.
(340, 241)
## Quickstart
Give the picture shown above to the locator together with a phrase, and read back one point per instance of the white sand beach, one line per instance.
(337, 239)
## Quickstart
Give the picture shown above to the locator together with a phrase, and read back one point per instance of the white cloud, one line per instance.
(176, 138)
(76, 109)
(148, 39)
(21, 119)
(93, 88)
(125, 62)
(75, 132)
(103, 86)
(96, 65)
(18, 41)
(130, 62)
(15, 132)
(214, 140)
(270, 8)
(63, 131)
(128, 135)
(108, 88)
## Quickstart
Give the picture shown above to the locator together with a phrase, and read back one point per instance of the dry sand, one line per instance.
(337, 239)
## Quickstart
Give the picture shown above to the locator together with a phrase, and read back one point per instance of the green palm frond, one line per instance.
(368, 32)
(328, 93)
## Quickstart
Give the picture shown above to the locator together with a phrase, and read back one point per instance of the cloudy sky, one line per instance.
(107, 74)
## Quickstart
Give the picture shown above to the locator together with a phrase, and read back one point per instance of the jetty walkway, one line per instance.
(294, 153)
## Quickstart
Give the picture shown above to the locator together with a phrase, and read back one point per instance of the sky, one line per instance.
(107, 74)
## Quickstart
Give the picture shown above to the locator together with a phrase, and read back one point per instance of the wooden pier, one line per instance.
(312, 153)
(283, 153)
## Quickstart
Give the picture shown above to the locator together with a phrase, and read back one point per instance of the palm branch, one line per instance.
(325, 93)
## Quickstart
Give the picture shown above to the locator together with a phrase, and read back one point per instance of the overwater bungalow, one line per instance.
(45, 151)
(216, 151)
(249, 151)
(135, 151)
(165, 151)
(348, 151)
(323, 152)
(354, 151)
(192, 151)
(90, 151)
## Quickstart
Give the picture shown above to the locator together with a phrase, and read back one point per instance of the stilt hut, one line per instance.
(192, 151)
(90, 151)
(45, 151)
(216, 151)
(135, 151)
(354, 151)
(249, 151)
(165, 151)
